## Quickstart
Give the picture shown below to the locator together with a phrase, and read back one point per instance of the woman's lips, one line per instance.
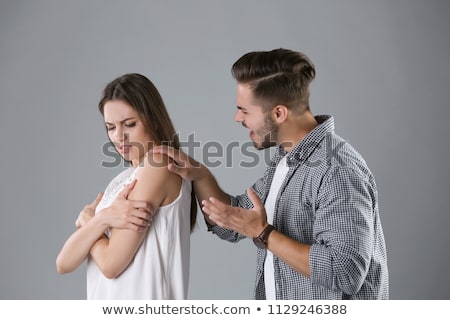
(124, 149)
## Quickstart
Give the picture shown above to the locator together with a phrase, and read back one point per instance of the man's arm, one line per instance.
(340, 256)
(343, 231)
(251, 222)
(205, 184)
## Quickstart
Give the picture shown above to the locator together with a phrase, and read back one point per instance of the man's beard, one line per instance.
(269, 134)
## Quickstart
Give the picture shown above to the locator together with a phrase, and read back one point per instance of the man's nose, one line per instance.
(238, 117)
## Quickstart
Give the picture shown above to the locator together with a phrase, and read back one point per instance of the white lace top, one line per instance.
(160, 268)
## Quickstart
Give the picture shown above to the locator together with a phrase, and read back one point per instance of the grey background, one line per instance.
(383, 71)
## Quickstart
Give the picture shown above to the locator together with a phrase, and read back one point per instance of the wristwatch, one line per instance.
(261, 240)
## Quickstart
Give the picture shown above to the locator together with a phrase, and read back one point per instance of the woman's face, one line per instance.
(126, 131)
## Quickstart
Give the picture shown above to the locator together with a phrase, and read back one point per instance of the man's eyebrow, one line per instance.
(241, 108)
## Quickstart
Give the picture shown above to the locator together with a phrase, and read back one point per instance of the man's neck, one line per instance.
(295, 130)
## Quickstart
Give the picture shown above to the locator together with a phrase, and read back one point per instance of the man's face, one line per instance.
(263, 130)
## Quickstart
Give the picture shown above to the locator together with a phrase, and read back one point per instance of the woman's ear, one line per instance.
(280, 113)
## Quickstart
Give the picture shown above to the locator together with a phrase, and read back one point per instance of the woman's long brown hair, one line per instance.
(141, 94)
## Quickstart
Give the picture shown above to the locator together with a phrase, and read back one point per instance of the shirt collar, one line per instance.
(306, 146)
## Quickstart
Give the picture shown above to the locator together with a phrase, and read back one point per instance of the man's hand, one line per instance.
(248, 222)
(128, 214)
(183, 165)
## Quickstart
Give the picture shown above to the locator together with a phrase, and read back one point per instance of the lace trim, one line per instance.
(118, 184)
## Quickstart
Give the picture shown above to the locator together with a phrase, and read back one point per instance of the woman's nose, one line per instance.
(120, 134)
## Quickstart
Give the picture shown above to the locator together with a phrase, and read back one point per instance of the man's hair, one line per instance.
(280, 76)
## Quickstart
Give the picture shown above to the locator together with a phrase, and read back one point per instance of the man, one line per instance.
(314, 214)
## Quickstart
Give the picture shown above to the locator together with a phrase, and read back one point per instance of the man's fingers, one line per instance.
(180, 158)
(217, 204)
(175, 168)
(169, 151)
(216, 210)
(211, 206)
(205, 207)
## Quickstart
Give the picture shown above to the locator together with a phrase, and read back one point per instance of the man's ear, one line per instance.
(280, 113)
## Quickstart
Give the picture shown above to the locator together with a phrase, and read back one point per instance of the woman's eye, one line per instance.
(130, 125)
(109, 128)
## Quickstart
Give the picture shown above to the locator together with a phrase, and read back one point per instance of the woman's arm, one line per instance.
(77, 246)
(123, 213)
(156, 185)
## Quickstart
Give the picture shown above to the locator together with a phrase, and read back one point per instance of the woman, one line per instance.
(135, 259)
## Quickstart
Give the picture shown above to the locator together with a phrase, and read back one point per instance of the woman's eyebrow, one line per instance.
(122, 121)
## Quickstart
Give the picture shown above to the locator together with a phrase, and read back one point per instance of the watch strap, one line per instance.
(264, 235)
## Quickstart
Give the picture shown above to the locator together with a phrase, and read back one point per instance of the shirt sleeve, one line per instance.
(343, 230)
(238, 201)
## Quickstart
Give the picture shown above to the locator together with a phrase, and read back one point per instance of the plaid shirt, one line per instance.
(329, 200)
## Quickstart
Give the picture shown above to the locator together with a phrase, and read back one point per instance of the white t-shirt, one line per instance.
(278, 178)
(160, 268)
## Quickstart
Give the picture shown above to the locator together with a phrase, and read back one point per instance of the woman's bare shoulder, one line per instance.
(155, 166)
(155, 179)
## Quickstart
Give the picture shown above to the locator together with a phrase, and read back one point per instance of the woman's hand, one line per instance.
(88, 212)
(128, 214)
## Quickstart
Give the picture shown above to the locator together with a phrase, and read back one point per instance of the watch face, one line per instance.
(259, 243)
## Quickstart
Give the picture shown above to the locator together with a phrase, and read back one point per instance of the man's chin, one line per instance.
(262, 146)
